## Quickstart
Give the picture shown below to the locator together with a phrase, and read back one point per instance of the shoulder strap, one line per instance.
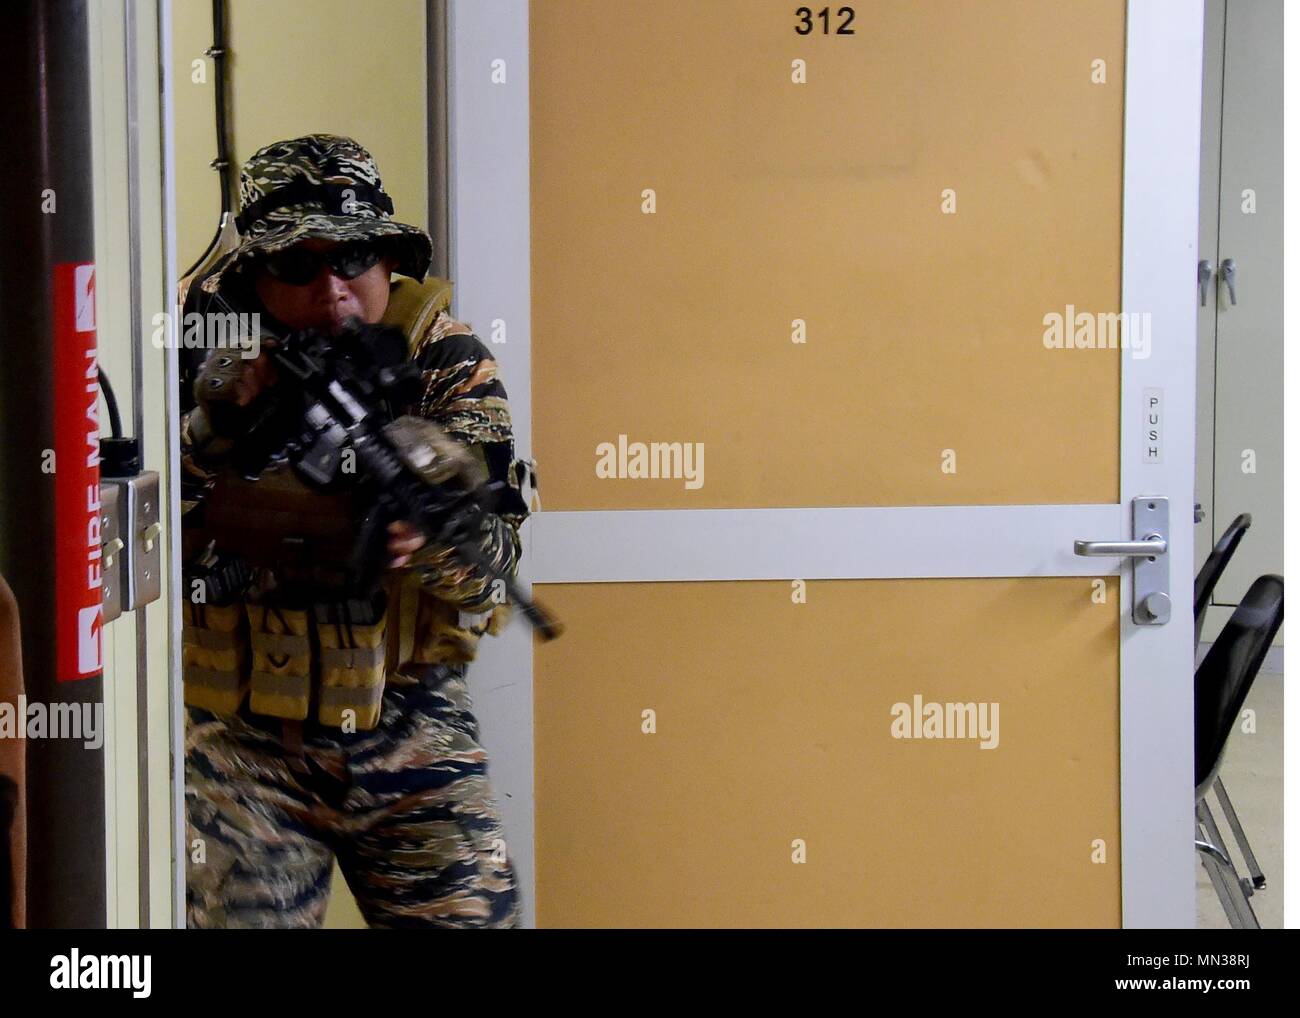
(412, 306)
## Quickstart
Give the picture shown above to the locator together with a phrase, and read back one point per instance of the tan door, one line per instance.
(827, 375)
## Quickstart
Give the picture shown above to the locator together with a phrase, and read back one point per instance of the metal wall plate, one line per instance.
(1152, 605)
(139, 528)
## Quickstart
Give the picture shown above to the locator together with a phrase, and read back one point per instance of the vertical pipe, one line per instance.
(436, 100)
(45, 121)
(137, 373)
(171, 532)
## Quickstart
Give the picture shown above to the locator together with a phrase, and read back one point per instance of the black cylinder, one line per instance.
(45, 125)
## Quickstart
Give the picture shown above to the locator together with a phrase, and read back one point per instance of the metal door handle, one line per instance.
(1152, 605)
(1152, 544)
(1228, 273)
(1204, 271)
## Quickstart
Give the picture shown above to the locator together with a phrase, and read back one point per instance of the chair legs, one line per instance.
(1256, 874)
(1233, 890)
(1219, 870)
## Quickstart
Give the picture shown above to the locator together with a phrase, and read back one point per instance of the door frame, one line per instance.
(128, 54)
(490, 265)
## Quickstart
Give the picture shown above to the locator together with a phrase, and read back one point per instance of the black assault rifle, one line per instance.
(331, 413)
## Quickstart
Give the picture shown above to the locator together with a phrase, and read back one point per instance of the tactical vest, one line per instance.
(288, 646)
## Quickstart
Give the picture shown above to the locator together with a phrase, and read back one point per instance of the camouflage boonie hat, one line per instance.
(317, 186)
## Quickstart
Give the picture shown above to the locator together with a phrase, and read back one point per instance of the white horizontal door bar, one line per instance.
(615, 546)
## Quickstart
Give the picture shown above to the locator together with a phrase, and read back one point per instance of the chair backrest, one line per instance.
(1225, 676)
(1214, 566)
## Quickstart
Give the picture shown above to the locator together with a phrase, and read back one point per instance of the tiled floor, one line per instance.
(1252, 775)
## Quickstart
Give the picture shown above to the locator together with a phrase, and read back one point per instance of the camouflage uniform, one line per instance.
(405, 806)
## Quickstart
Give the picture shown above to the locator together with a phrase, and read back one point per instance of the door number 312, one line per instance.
(805, 25)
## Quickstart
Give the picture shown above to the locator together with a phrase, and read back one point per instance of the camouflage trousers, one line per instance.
(405, 808)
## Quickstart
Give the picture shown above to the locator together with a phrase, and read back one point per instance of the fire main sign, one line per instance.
(79, 581)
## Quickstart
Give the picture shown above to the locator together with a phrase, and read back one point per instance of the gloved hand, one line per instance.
(228, 383)
(441, 459)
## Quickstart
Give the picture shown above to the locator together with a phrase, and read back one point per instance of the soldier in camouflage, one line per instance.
(277, 787)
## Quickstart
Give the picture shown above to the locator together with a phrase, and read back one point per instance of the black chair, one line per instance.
(1206, 580)
(1214, 566)
(1223, 681)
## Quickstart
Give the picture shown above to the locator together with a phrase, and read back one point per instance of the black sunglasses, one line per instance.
(298, 266)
